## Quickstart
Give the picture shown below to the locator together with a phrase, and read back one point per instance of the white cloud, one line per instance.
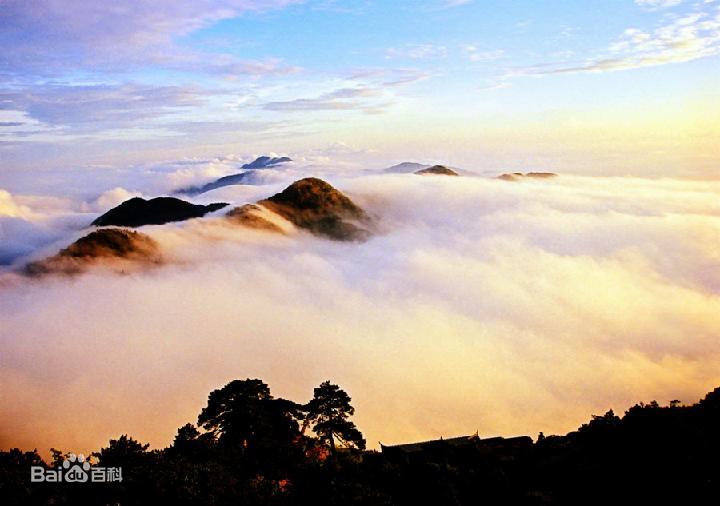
(343, 99)
(55, 36)
(681, 38)
(482, 304)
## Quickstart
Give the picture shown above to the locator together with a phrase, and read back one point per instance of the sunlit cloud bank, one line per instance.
(508, 308)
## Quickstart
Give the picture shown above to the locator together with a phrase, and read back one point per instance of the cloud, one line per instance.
(58, 36)
(682, 38)
(342, 99)
(388, 77)
(29, 223)
(103, 104)
(507, 308)
(9, 207)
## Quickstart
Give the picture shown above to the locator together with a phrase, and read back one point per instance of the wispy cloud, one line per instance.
(680, 39)
(99, 104)
(343, 99)
(389, 77)
(55, 36)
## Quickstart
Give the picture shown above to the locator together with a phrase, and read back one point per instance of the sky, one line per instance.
(611, 87)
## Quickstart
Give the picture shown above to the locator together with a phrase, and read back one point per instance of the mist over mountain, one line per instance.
(309, 204)
(248, 177)
(487, 220)
(458, 275)
(315, 205)
(405, 168)
(519, 176)
(116, 248)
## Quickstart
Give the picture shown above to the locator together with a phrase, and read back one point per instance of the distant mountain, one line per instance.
(310, 204)
(110, 244)
(406, 168)
(516, 176)
(437, 170)
(262, 162)
(138, 211)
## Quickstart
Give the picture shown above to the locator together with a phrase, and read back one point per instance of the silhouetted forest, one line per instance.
(250, 448)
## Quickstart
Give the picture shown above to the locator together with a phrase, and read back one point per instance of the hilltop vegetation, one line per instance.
(251, 448)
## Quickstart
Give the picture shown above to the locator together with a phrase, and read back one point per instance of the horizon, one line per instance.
(603, 88)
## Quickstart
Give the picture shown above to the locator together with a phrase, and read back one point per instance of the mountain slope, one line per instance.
(158, 211)
(517, 176)
(117, 247)
(310, 204)
(436, 170)
(259, 163)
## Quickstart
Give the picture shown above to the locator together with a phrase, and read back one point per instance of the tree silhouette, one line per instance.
(329, 411)
(244, 416)
(123, 451)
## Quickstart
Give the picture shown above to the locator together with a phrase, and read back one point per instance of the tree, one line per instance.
(245, 418)
(329, 411)
(191, 443)
(124, 451)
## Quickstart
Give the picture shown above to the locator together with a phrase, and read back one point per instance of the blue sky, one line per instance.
(612, 87)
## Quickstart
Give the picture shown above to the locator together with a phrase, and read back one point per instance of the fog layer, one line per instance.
(501, 307)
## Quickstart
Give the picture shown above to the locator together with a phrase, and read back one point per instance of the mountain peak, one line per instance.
(266, 161)
(127, 246)
(311, 204)
(437, 170)
(315, 194)
(517, 176)
(137, 211)
(406, 168)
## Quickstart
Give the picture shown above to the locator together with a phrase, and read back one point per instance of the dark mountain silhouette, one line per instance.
(252, 448)
(138, 211)
(262, 162)
(313, 205)
(517, 176)
(233, 179)
(437, 170)
(124, 247)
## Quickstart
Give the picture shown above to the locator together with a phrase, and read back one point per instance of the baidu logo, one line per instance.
(75, 469)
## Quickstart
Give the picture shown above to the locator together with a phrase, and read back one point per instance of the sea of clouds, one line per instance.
(479, 305)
